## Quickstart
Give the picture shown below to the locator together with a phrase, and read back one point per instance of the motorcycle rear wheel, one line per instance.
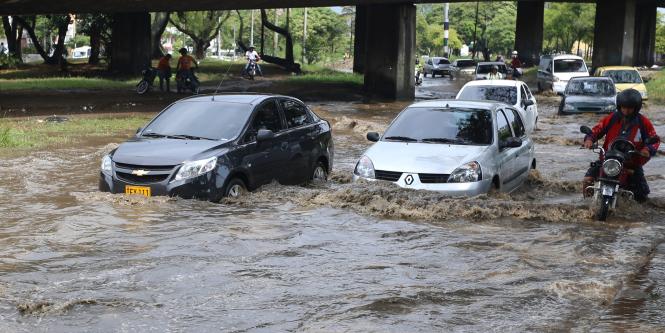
(142, 87)
(603, 209)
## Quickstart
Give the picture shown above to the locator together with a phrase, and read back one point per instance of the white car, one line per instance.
(460, 148)
(483, 69)
(554, 72)
(515, 93)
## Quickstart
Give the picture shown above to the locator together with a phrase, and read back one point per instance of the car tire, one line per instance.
(235, 188)
(319, 174)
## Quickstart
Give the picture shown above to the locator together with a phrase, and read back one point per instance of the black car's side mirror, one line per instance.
(139, 130)
(373, 136)
(511, 143)
(528, 103)
(264, 135)
(586, 130)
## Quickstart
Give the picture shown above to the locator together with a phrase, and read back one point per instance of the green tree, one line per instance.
(201, 27)
(98, 28)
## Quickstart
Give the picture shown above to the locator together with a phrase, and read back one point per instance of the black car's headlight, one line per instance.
(365, 168)
(467, 173)
(612, 167)
(107, 165)
(196, 168)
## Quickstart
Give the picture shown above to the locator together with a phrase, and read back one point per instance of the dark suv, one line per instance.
(209, 147)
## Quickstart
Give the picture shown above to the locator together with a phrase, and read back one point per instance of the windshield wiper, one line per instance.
(153, 135)
(188, 137)
(401, 138)
(444, 140)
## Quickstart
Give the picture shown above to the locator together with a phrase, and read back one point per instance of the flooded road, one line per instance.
(338, 258)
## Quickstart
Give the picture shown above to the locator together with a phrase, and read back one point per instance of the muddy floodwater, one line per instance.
(337, 258)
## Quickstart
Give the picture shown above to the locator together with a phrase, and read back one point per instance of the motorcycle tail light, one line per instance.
(612, 167)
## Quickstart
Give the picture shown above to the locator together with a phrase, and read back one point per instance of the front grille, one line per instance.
(589, 109)
(433, 178)
(391, 176)
(145, 167)
(147, 179)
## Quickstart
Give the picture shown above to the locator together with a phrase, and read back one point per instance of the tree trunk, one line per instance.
(288, 62)
(200, 47)
(56, 58)
(156, 30)
(13, 33)
(95, 46)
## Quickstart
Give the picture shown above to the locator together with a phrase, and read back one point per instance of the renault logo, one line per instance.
(409, 180)
(140, 173)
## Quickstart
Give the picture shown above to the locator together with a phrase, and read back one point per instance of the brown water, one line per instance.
(343, 257)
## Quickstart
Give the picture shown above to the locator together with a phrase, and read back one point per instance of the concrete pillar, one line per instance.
(360, 39)
(614, 34)
(390, 51)
(529, 31)
(130, 37)
(645, 33)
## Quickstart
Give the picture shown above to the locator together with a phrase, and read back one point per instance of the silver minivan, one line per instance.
(554, 71)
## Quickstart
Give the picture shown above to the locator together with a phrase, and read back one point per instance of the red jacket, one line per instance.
(634, 128)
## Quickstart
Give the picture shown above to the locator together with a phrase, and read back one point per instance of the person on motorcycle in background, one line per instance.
(516, 66)
(164, 72)
(494, 73)
(419, 68)
(185, 63)
(252, 55)
(626, 123)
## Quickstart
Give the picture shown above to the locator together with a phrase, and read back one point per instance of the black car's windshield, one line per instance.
(590, 88)
(569, 66)
(442, 125)
(485, 69)
(200, 120)
(506, 95)
(466, 63)
(623, 76)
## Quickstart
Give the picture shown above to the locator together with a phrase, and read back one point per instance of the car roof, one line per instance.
(617, 68)
(566, 56)
(503, 83)
(591, 78)
(491, 63)
(441, 103)
(243, 98)
(438, 58)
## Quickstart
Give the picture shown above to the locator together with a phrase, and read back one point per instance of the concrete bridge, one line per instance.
(625, 31)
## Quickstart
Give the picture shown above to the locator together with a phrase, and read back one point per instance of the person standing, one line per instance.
(164, 72)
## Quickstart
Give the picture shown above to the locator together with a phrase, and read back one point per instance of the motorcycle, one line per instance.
(614, 177)
(147, 81)
(251, 70)
(187, 81)
(419, 78)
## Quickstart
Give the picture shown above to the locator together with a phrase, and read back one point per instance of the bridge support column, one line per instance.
(529, 31)
(390, 41)
(645, 34)
(614, 35)
(130, 37)
(359, 39)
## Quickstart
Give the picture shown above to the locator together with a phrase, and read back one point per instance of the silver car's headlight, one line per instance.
(196, 168)
(610, 107)
(107, 165)
(612, 167)
(467, 173)
(365, 168)
(568, 107)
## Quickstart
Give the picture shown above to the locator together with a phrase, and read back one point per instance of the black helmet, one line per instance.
(182, 50)
(630, 98)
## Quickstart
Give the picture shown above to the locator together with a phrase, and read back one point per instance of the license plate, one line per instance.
(138, 190)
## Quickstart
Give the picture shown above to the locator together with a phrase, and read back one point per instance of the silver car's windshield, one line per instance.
(502, 94)
(463, 126)
(590, 88)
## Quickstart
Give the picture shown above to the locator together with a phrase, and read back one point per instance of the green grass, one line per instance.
(656, 87)
(35, 133)
(65, 83)
(327, 76)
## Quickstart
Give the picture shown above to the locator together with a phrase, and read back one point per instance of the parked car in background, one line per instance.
(437, 66)
(483, 69)
(624, 77)
(589, 94)
(554, 72)
(514, 93)
(460, 148)
(210, 147)
(463, 67)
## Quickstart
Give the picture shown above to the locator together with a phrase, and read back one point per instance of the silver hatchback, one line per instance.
(461, 148)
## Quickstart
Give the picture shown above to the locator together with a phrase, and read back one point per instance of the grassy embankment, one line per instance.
(34, 133)
(656, 88)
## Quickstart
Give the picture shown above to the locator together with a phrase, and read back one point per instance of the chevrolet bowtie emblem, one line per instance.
(140, 173)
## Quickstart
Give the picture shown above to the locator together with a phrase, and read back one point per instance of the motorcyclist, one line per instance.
(252, 55)
(164, 72)
(419, 71)
(627, 123)
(185, 63)
(516, 65)
(494, 73)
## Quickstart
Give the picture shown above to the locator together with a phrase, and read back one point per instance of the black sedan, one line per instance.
(209, 147)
